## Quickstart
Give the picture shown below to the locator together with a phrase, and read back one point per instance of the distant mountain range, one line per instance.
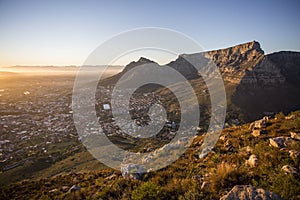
(255, 83)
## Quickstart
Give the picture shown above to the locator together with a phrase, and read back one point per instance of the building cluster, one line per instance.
(32, 122)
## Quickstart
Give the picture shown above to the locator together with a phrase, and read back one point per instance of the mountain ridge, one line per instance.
(255, 82)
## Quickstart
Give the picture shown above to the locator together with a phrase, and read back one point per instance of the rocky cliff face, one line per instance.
(247, 64)
(255, 83)
(235, 61)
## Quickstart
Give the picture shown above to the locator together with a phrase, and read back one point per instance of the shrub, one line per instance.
(147, 190)
(226, 176)
(287, 186)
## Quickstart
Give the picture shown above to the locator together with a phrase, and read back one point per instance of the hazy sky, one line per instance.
(61, 32)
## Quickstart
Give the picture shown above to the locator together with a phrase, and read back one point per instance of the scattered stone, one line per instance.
(252, 161)
(205, 185)
(287, 169)
(266, 118)
(280, 142)
(228, 145)
(246, 151)
(294, 154)
(64, 188)
(256, 133)
(290, 117)
(53, 191)
(148, 158)
(259, 124)
(111, 177)
(134, 171)
(295, 136)
(75, 180)
(74, 188)
(197, 177)
(248, 192)
(223, 137)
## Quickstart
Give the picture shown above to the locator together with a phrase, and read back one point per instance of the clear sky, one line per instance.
(60, 32)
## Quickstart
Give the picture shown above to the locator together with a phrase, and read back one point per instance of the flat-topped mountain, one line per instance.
(255, 83)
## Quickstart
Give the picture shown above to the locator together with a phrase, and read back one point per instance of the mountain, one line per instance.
(256, 83)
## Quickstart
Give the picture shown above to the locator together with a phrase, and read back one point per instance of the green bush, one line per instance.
(147, 190)
(287, 186)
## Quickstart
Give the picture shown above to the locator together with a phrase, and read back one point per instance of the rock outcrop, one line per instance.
(235, 61)
(295, 136)
(254, 82)
(133, 171)
(252, 161)
(280, 142)
(287, 169)
(248, 192)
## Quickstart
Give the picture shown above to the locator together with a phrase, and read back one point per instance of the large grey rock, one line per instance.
(134, 171)
(287, 169)
(259, 124)
(290, 117)
(280, 142)
(74, 188)
(246, 151)
(252, 161)
(294, 154)
(295, 136)
(256, 133)
(248, 192)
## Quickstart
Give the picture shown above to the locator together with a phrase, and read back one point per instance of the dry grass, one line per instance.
(226, 176)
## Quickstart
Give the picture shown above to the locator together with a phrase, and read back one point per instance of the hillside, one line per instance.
(241, 157)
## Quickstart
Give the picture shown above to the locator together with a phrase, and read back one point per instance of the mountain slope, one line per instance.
(190, 177)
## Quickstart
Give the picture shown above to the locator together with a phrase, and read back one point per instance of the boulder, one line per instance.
(256, 133)
(147, 158)
(245, 151)
(290, 117)
(111, 177)
(287, 169)
(55, 190)
(252, 161)
(248, 192)
(223, 137)
(259, 124)
(74, 188)
(294, 154)
(280, 142)
(205, 185)
(134, 171)
(295, 136)
(65, 188)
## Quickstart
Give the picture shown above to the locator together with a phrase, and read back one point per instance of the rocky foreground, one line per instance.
(260, 160)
